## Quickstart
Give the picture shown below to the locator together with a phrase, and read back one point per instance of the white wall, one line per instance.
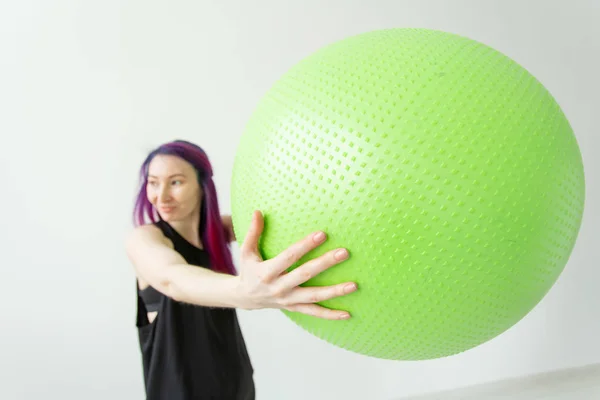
(86, 88)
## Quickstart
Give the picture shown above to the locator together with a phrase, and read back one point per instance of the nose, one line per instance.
(164, 194)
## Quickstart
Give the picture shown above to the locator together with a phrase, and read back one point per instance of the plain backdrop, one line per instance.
(87, 88)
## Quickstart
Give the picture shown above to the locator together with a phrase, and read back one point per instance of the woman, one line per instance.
(188, 289)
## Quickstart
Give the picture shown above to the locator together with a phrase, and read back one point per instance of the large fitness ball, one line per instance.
(449, 172)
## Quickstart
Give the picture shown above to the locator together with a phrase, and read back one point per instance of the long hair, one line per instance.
(212, 232)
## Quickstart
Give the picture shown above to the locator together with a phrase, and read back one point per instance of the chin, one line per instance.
(168, 217)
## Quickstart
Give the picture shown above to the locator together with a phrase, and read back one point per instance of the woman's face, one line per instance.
(173, 188)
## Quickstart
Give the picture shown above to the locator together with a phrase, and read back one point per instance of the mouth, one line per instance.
(167, 209)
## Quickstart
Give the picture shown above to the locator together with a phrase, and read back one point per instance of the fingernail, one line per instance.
(319, 237)
(345, 316)
(350, 287)
(341, 254)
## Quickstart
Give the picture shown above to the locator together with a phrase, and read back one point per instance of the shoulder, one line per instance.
(148, 234)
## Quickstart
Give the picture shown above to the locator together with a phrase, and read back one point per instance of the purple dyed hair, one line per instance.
(212, 232)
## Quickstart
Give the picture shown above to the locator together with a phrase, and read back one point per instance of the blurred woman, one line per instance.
(188, 289)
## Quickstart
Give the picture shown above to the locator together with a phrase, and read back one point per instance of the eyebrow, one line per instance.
(168, 177)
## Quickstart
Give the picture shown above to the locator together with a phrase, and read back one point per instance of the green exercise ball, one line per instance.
(449, 172)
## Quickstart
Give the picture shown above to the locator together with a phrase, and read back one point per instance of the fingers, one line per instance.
(312, 268)
(291, 255)
(318, 311)
(316, 294)
(250, 246)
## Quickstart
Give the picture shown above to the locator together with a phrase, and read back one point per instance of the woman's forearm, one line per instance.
(203, 287)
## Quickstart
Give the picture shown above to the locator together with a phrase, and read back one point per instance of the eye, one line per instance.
(177, 182)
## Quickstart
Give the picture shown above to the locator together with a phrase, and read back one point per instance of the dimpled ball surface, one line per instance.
(448, 171)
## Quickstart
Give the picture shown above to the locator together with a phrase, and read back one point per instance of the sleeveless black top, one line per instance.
(191, 352)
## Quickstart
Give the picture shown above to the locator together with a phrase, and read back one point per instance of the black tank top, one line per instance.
(191, 352)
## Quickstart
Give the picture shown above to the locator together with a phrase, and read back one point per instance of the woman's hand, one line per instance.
(265, 284)
(228, 226)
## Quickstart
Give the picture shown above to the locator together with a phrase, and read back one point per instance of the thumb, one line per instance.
(250, 246)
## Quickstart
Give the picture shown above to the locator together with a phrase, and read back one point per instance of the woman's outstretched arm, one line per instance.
(260, 284)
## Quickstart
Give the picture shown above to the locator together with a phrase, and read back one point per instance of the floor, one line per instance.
(574, 384)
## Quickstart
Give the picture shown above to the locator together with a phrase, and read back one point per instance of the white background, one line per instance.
(88, 87)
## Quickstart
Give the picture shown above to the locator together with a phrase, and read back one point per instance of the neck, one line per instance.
(189, 229)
